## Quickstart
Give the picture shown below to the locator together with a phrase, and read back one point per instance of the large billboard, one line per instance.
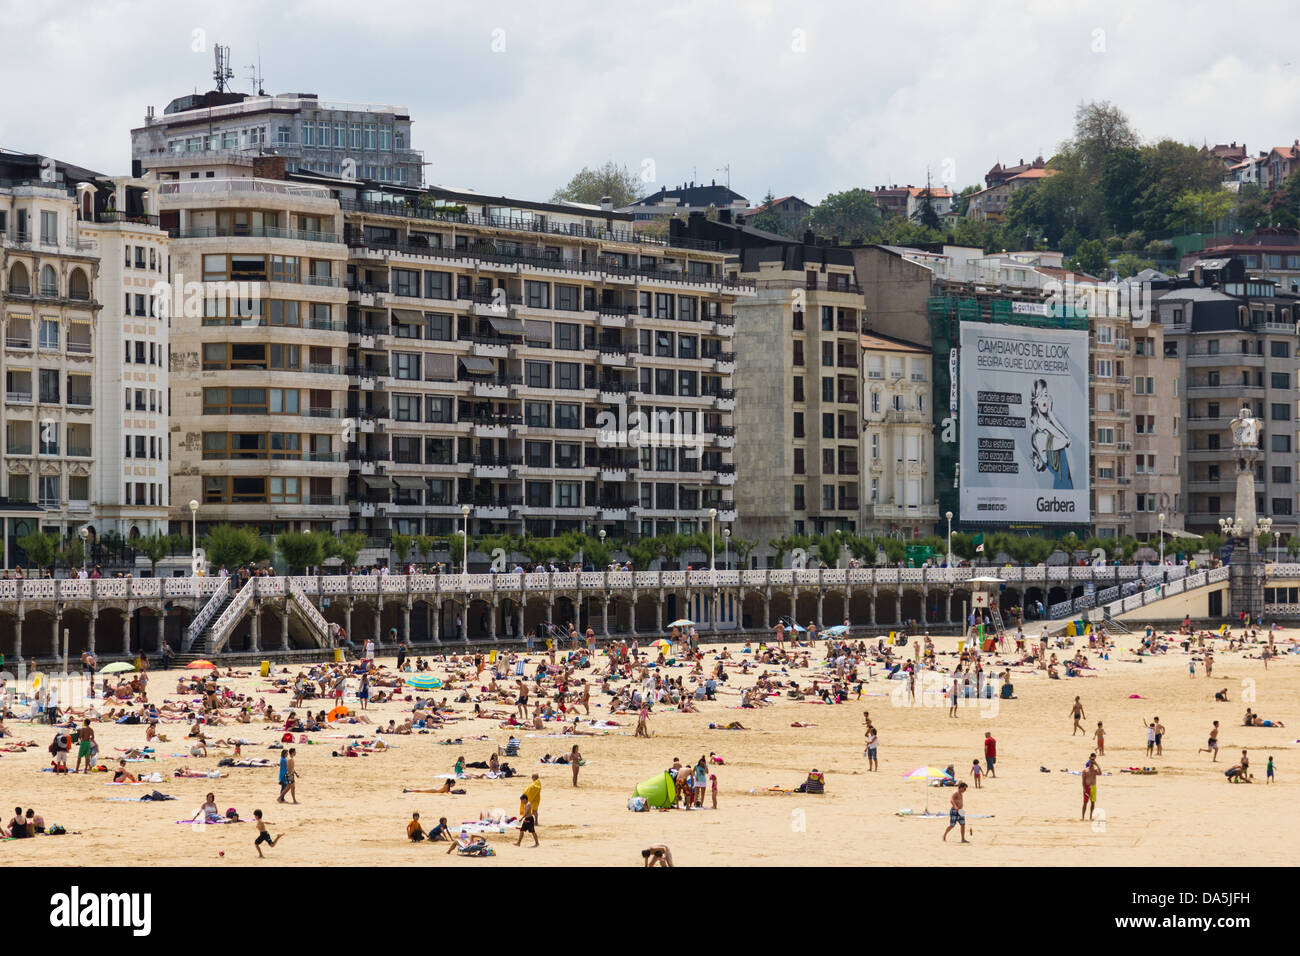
(1024, 424)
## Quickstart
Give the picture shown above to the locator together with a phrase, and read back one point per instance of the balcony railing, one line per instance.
(537, 224)
(258, 232)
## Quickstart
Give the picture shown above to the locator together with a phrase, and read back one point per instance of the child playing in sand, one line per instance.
(977, 772)
(263, 835)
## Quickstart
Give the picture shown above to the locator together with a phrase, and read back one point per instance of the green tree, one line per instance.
(1293, 545)
(1101, 128)
(301, 550)
(402, 544)
(1128, 264)
(155, 547)
(41, 549)
(672, 547)
(233, 546)
(641, 552)
(424, 545)
(742, 547)
(1091, 258)
(599, 554)
(346, 547)
(593, 185)
(850, 214)
(75, 553)
(456, 545)
(1213, 542)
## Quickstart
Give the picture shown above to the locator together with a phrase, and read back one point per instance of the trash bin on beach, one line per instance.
(266, 668)
(338, 655)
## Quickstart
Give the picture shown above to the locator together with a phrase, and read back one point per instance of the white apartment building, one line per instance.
(48, 273)
(370, 141)
(130, 482)
(897, 478)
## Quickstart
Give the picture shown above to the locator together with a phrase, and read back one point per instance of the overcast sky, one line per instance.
(802, 97)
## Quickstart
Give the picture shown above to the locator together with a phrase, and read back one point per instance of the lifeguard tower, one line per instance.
(984, 599)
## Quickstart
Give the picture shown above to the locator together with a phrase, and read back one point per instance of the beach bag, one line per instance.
(55, 830)
(638, 805)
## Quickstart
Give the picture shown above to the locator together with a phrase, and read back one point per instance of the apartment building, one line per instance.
(1134, 388)
(366, 141)
(798, 391)
(130, 482)
(538, 365)
(1235, 338)
(1271, 254)
(49, 272)
(258, 344)
(897, 442)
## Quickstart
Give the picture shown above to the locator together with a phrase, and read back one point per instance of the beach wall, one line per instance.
(1194, 604)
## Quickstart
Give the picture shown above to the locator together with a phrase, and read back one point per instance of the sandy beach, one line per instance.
(352, 810)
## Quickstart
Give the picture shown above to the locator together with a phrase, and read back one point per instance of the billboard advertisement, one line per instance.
(1024, 424)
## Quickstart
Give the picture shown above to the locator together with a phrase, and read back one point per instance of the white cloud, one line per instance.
(798, 97)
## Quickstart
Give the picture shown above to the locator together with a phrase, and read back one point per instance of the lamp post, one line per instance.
(726, 549)
(1265, 526)
(194, 536)
(1161, 518)
(464, 555)
(948, 515)
(713, 517)
(84, 534)
(601, 534)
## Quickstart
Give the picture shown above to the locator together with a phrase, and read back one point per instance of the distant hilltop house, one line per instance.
(790, 210)
(1003, 182)
(906, 201)
(687, 198)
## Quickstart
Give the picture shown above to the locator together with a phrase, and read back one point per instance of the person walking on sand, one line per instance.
(977, 772)
(288, 776)
(575, 761)
(642, 725)
(1077, 713)
(1212, 746)
(263, 835)
(956, 813)
(1090, 773)
(952, 709)
(872, 740)
(1100, 735)
(528, 822)
(990, 754)
(85, 747)
(1160, 737)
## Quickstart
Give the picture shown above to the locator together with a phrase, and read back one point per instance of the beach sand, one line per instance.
(353, 812)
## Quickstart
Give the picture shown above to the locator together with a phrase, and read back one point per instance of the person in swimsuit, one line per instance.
(209, 810)
(85, 747)
(575, 760)
(528, 824)
(1090, 773)
(1100, 734)
(263, 835)
(657, 855)
(1160, 737)
(121, 775)
(957, 813)
(1212, 745)
(1078, 715)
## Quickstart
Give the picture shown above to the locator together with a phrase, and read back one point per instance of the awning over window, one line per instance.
(506, 324)
(409, 482)
(477, 365)
(408, 315)
(377, 482)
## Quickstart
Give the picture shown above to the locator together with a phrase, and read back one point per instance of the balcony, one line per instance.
(18, 341)
(23, 397)
(890, 512)
(848, 430)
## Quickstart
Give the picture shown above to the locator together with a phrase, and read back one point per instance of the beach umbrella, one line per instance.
(199, 665)
(927, 774)
(662, 643)
(423, 682)
(116, 667)
(682, 622)
(336, 713)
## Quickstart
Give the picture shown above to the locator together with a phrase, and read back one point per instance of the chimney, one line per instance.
(713, 182)
(268, 167)
(607, 203)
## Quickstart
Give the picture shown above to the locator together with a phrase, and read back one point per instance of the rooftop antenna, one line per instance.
(255, 73)
(725, 169)
(223, 72)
